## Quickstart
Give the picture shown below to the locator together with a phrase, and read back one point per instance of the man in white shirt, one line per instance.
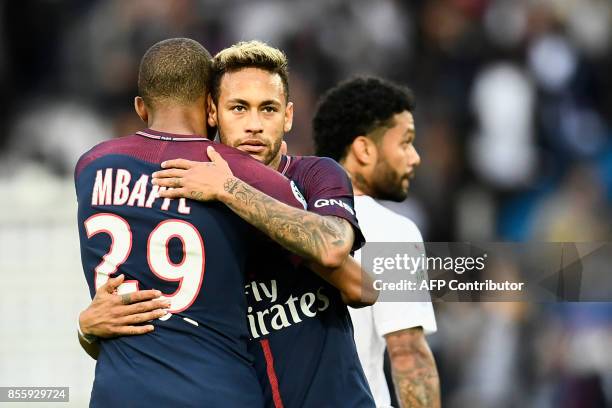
(366, 124)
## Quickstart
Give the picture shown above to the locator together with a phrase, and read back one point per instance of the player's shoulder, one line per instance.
(228, 150)
(245, 166)
(117, 145)
(314, 166)
(237, 157)
(390, 223)
(395, 219)
(314, 162)
(111, 145)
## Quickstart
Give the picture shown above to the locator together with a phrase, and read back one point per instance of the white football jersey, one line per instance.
(372, 323)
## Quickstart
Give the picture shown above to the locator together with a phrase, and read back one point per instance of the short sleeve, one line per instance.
(329, 191)
(390, 317)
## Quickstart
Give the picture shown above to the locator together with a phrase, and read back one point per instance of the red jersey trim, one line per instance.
(265, 345)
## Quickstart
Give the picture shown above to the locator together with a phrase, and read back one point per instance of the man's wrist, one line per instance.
(88, 337)
(229, 186)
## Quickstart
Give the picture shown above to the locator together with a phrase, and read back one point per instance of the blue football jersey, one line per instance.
(194, 253)
(302, 334)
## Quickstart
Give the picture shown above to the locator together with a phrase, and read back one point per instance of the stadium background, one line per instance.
(514, 109)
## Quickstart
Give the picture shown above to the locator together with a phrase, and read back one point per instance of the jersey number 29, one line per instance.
(189, 272)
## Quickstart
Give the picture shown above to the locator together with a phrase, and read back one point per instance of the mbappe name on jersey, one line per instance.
(112, 187)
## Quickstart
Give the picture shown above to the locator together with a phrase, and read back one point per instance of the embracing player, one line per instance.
(193, 253)
(303, 335)
(303, 339)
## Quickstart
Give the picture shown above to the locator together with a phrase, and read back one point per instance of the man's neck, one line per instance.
(275, 162)
(357, 191)
(360, 184)
(183, 121)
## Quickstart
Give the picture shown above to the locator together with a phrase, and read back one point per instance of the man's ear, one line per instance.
(288, 117)
(212, 112)
(141, 109)
(364, 150)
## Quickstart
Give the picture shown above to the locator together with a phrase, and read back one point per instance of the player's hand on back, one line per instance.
(202, 181)
(111, 315)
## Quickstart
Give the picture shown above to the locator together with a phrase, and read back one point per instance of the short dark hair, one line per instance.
(176, 69)
(249, 54)
(356, 107)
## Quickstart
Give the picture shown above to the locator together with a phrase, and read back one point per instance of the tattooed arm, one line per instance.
(304, 233)
(414, 369)
(325, 240)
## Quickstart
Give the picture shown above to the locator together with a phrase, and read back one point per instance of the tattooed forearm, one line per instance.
(309, 235)
(414, 371)
(336, 229)
(230, 185)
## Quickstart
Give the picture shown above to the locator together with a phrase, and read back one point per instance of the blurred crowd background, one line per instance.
(514, 125)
